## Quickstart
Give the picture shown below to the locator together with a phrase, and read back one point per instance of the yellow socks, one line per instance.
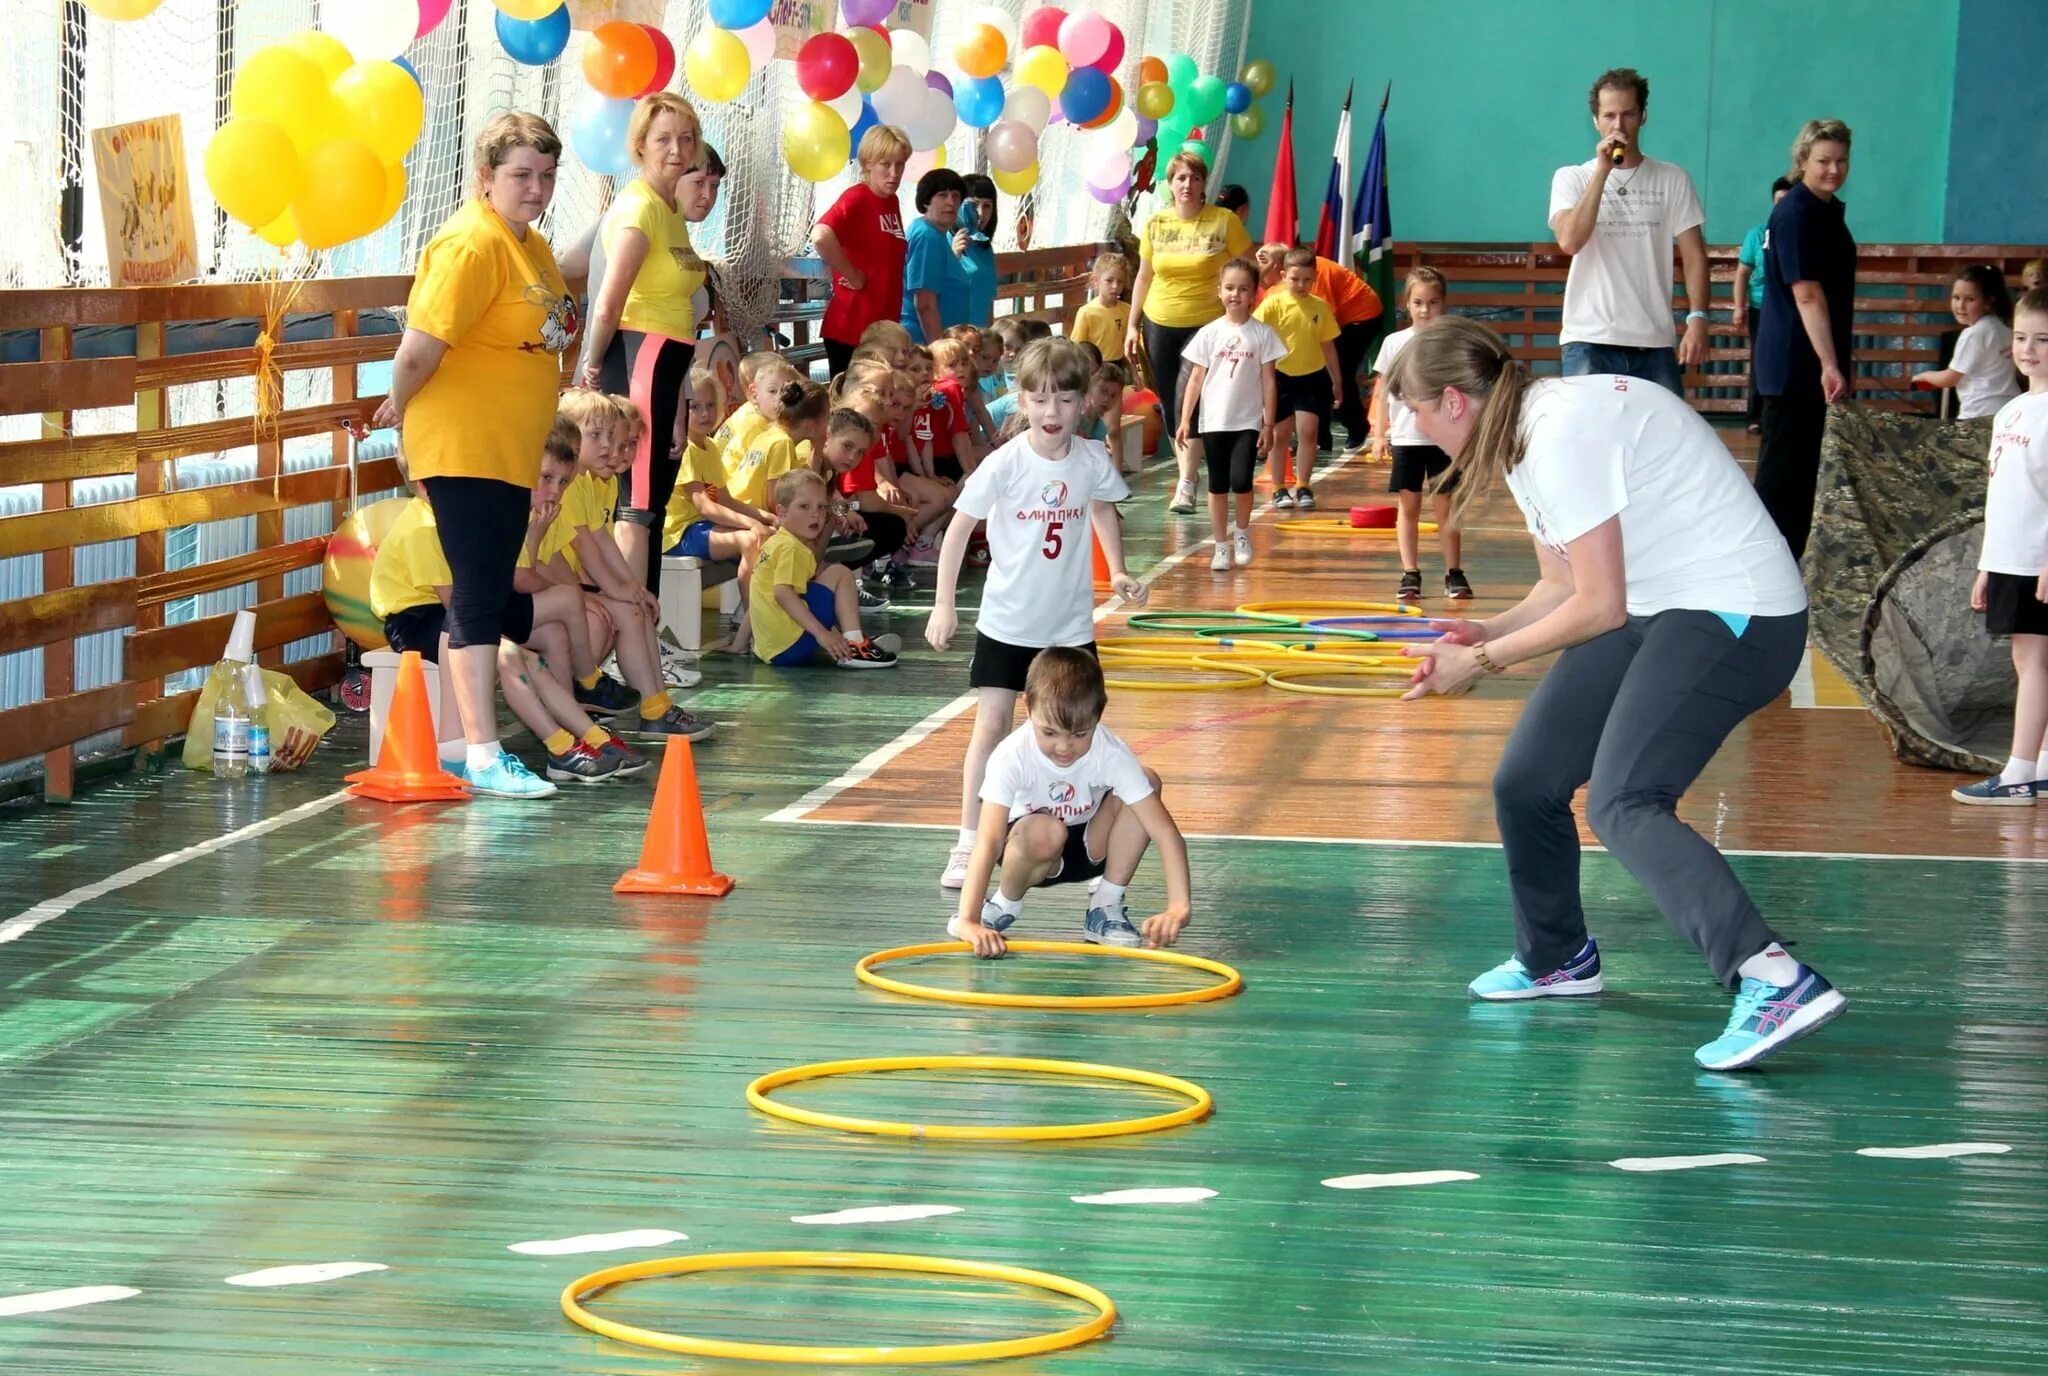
(559, 743)
(654, 706)
(597, 738)
(589, 683)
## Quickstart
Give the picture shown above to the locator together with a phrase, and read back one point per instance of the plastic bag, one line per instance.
(297, 720)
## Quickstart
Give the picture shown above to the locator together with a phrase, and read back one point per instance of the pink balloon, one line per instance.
(1042, 27)
(1084, 38)
(432, 12)
(1114, 56)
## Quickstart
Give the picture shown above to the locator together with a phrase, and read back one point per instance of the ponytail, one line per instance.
(1459, 353)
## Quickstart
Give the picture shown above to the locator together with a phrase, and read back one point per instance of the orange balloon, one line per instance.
(619, 60)
(981, 51)
(1150, 70)
(1111, 110)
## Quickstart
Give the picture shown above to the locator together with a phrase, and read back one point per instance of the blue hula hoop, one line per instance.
(1338, 622)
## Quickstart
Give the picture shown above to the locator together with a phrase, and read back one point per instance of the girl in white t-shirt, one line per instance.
(2012, 579)
(1042, 494)
(1981, 368)
(1679, 612)
(1066, 802)
(1415, 460)
(1230, 401)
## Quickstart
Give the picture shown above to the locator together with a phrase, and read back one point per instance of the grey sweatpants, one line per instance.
(1638, 712)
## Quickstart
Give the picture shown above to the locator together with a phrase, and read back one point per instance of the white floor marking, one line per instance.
(598, 1242)
(876, 1213)
(1685, 1163)
(1937, 1151)
(305, 1275)
(26, 921)
(47, 1301)
(1171, 1194)
(1397, 1179)
(1805, 695)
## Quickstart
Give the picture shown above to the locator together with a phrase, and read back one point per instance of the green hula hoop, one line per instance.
(1219, 621)
(1291, 635)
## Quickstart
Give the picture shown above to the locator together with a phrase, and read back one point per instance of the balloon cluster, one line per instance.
(1062, 65)
(622, 62)
(1183, 100)
(315, 150)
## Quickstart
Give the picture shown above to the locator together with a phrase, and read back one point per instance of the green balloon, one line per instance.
(1206, 95)
(1260, 76)
(1200, 150)
(1250, 124)
(1180, 70)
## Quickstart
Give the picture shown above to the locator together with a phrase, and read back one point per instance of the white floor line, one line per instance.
(1936, 1151)
(597, 1242)
(305, 1275)
(27, 920)
(1162, 1194)
(876, 1213)
(1686, 1163)
(48, 1301)
(1397, 1180)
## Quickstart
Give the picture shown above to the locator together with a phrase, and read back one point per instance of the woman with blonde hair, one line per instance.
(473, 395)
(861, 239)
(643, 326)
(1679, 612)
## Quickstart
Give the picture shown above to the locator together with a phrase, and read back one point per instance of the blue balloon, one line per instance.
(412, 72)
(534, 42)
(1237, 98)
(867, 121)
(1086, 95)
(739, 14)
(979, 100)
(598, 134)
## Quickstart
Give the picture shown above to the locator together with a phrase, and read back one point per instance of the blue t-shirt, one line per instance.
(929, 264)
(1807, 240)
(980, 264)
(1001, 409)
(1751, 256)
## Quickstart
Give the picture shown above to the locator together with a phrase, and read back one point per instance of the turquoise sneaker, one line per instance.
(507, 777)
(1575, 978)
(1767, 1016)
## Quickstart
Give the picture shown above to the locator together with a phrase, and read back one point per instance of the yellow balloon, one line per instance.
(816, 142)
(1015, 183)
(342, 196)
(382, 107)
(252, 169)
(394, 193)
(283, 231)
(325, 51)
(717, 65)
(121, 11)
(1155, 100)
(876, 58)
(528, 9)
(286, 88)
(1044, 68)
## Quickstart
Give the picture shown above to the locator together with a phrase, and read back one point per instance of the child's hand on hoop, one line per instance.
(987, 944)
(1163, 929)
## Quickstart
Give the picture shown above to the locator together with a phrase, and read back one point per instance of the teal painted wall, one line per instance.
(1490, 99)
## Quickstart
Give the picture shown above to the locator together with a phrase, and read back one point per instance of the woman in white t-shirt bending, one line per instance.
(1980, 370)
(1679, 612)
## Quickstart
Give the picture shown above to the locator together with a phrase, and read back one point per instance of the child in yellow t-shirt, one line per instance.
(1308, 378)
(737, 431)
(1105, 320)
(799, 613)
(705, 521)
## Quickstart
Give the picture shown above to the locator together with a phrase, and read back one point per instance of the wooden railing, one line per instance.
(1901, 309)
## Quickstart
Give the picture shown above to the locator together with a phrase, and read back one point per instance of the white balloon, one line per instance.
(760, 42)
(901, 98)
(1030, 105)
(998, 19)
(934, 123)
(1122, 131)
(1107, 167)
(846, 104)
(909, 49)
(372, 30)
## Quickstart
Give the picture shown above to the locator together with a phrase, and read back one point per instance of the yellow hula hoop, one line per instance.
(1296, 656)
(1337, 527)
(1235, 676)
(864, 971)
(1283, 679)
(1163, 647)
(1314, 609)
(925, 1354)
(1199, 1107)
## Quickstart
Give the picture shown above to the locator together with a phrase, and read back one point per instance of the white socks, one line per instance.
(455, 751)
(966, 836)
(1011, 906)
(1772, 965)
(1108, 895)
(482, 756)
(2019, 771)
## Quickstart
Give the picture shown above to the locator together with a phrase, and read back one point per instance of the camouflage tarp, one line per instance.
(1897, 524)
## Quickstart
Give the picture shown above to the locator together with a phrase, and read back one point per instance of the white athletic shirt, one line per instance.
(2016, 504)
(1041, 556)
(1619, 289)
(1234, 388)
(1022, 779)
(1401, 426)
(1694, 533)
(1984, 357)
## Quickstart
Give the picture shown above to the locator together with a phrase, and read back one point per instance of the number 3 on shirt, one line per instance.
(1053, 544)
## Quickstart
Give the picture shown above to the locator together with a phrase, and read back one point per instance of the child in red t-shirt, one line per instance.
(861, 240)
(943, 423)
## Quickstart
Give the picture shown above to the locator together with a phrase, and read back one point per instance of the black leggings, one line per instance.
(889, 532)
(1232, 455)
(653, 370)
(1164, 345)
(482, 523)
(1352, 342)
(837, 357)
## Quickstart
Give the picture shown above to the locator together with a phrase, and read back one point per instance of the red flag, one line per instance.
(1281, 214)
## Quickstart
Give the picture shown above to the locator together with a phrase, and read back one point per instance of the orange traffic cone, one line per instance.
(408, 768)
(676, 855)
(1101, 561)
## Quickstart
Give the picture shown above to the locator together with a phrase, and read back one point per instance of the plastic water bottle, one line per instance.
(257, 702)
(231, 736)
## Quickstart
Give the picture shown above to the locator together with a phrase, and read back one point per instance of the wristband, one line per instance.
(1691, 316)
(1485, 660)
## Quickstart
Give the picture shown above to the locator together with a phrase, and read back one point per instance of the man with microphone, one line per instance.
(1618, 217)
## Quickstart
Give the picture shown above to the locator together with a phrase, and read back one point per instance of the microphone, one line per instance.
(1619, 152)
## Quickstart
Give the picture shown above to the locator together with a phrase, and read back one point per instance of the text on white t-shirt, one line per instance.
(1022, 778)
(1234, 388)
(1040, 589)
(1619, 288)
(2016, 502)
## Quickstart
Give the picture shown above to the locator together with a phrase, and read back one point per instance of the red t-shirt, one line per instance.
(870, 229)
(943, 415)
(861, 477)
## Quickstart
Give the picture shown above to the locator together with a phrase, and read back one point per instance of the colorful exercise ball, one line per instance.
(598, 134)
(1043, 68)
(1015, 183)
(1250, 124)
(122, 11)
(1085, 97)
(901, 97)
(1151, 69)
(934, 123)
(535, 9)
(826, 65)
(1205, 99)
(1029, 105)
(374, 30)
(384, 106)
(739, 14)
(979, 101)
(1155, 100)
(664, 60)
(252, 169)
(1084, 38)
(876, 59)
(533, 42)
(816, 142)
(716, 66)
(324, 50)
(1259, 76)
(1041, 27)
(910, 49)
(981, 51)
(1012, 146)
(288, 89)
(861, 13)
(345, 574)
(341, 194)
(1237, 97)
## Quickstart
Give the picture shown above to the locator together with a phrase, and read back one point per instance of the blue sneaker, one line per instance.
(1768, 1015)
(1111, 927)
(507, 777)
(1992, 793)
(1575, 978)
(992, 917)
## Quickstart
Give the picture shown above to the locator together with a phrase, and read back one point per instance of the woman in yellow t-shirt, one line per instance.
(1180, 273)
(473, 391)
(643, 327)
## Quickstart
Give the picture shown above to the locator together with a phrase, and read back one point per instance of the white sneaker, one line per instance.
(1240, 546)
(1183, 502)
(955, 874)
(1219, 562)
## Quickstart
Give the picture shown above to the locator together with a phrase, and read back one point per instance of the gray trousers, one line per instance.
(1636, 712)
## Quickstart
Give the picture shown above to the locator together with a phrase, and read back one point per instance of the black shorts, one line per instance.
(947, 466)
(1309, 392)
(997, 664)
(482, 523)
(1076, 866)
(1233, 456)
(2010, 605)
(652, 369)
(1415, 465)
(420, 628)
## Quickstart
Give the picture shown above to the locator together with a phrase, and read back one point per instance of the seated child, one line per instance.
(1103, 412)
(977, 402)
(892, 339)
(943, 424)
(1065, 801)
(798, 612)
(705, 521)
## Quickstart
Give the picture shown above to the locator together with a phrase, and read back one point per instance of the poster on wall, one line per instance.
(915, 15)
(588, 14)
(798, 21)
(145, 202)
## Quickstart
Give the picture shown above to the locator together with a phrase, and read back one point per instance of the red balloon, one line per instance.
(1042, 28)
(826, 65)
(1114, 53)
(664, 60)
